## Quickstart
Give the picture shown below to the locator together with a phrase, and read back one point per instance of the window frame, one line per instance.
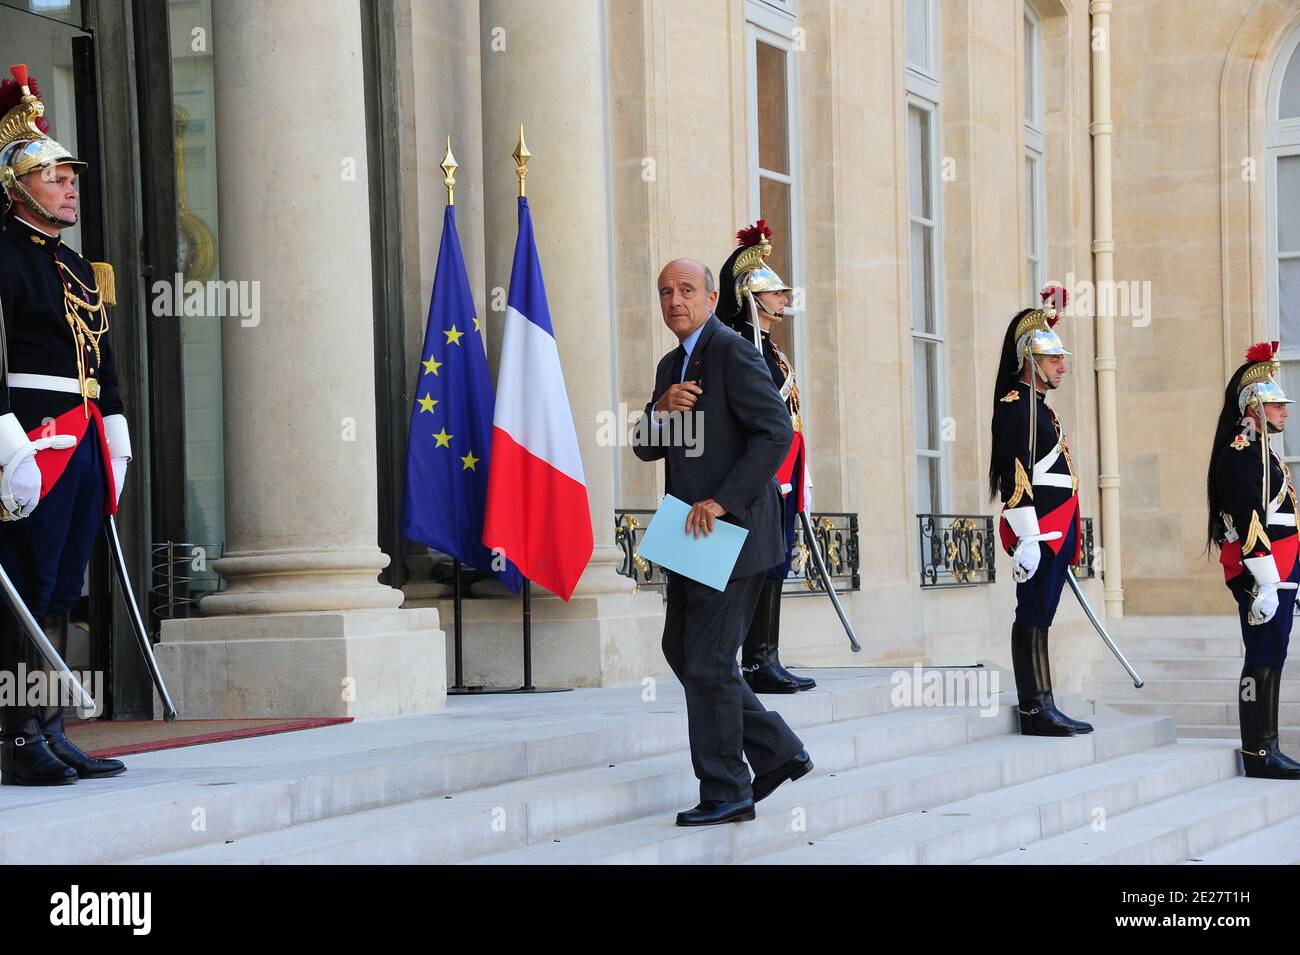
(764, 24)
(1035, 153)
(922, 93)
(1281, 140)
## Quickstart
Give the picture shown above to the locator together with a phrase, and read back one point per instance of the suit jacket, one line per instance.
(742, 434)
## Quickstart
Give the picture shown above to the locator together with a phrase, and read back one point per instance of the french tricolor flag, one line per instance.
(537, 511)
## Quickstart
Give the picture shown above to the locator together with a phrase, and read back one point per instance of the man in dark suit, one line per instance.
(741, 431)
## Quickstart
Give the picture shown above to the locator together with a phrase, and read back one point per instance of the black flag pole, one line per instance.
(458, 688)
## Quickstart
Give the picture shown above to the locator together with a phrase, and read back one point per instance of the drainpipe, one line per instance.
(1103, 251)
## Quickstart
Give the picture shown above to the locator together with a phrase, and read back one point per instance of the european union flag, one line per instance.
(451, 424)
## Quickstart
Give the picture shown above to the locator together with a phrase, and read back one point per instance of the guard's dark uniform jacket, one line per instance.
(1039, 496)
(1260, 538)
(791, 474)
(37, 332)
(1255, 528)
(45, 553)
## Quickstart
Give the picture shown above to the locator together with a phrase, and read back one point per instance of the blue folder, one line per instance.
(706, 559)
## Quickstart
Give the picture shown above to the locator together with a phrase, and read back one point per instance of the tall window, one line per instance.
(1282, 169)
(925, 264)
(1035, 192)
(773, 150)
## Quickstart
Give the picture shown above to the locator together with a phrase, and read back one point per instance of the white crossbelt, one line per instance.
(1271, 515)
(44, 383)
(1044, 478)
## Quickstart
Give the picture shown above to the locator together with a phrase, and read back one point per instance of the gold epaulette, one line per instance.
(106, 281)
(1240, 443)
(1011, 396)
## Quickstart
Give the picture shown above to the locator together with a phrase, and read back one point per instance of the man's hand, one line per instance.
(1026, 561)
(680, 397)
(700, 520)
(1264, 606)
(25, 485)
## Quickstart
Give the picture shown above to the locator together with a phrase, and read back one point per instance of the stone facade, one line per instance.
(637, 113)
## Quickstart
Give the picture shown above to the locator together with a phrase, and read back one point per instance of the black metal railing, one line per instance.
(182, 576)
(1087, 567)
(957, 550)
(837, 538)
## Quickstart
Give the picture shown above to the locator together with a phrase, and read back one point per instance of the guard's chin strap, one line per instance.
(763, 305)
(30, 201)
(753, 321)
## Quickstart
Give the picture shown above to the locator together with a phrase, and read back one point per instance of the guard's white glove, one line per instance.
(119, 475)
(1264, 606)
(25, 483)
(1026, 560)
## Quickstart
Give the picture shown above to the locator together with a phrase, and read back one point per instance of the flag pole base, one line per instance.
(486, 690)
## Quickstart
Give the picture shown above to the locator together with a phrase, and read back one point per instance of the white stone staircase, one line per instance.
(1191, 666)
(596, 776)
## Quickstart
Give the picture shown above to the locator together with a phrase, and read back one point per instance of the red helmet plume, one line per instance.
(754, 234)
(11, 93)
(1261, 351)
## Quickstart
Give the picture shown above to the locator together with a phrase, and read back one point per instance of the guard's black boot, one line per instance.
(25, 757)
(55, 626)
(1257, 704)
(1042, 666)
(759, 663)
(1034, 687)
(772, 595)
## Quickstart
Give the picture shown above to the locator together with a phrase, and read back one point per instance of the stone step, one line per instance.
(826, 802)
(1278, 844)
(470, 824)
(184, 798)
(1176, 668)
(1168, 831)
(1288, 736)
(1202, 712)
(1222, 688)
(1164, 647)
(960, 832)
(1175, 627)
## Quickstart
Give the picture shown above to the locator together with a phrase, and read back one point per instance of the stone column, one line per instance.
(303, 626)
(544, 66)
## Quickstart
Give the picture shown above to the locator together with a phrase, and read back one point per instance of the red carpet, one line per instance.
(123, 737)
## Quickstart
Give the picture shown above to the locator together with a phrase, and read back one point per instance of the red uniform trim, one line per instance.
(791, 469)
(1284, 554)
(54, 461)
(1057, 519)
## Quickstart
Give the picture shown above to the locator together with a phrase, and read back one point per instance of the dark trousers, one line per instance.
(1266, 644)
(46, 553)
(1037, 598)
(703, 631)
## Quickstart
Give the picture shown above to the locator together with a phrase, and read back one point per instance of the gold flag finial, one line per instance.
(522, 155)
(449, 167)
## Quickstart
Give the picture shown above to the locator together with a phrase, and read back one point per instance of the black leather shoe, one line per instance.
(55, 627)
(25, 757)
(712, 813)
(1040, 721)
(788, 771)
(802, 682)
(770, 679)
(85, 765)
(1079, 726)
